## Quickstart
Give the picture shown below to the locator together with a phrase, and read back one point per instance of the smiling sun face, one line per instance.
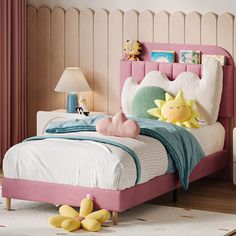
(176, 110)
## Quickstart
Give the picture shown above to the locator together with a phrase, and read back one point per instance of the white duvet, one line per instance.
(91, 164)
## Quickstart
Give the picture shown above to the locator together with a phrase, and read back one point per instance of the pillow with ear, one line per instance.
(205, 91)
(144, 100)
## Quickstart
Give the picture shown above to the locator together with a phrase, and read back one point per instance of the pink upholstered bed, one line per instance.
(119, 201)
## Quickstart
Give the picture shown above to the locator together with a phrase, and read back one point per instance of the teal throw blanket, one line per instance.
(181, 146)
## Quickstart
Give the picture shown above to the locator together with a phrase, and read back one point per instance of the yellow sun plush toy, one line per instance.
(176, 111)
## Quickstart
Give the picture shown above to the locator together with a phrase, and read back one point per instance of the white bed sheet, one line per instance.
(90, 164)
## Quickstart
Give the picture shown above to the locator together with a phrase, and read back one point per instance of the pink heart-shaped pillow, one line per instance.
(119, 126)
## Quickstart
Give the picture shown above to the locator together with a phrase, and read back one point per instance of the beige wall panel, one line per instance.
(225, 39)
(209, 29)
(161, 27)
(31, 70)
(57, 56)
(146, 26)
(225, 32)
(101, 60)
(86, 51)
(72, 37)
(177, 27)
(131, 25)
(193, 28)
(115, 54)
(43, 59)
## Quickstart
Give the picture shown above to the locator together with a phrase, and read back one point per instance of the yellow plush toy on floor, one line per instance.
(71, 220)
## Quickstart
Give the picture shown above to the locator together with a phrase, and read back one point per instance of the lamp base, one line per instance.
(72, 103)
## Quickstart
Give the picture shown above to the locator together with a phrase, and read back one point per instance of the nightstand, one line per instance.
(44, 117)
(234, 156)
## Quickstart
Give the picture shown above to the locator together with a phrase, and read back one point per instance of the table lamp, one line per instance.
(72, 81)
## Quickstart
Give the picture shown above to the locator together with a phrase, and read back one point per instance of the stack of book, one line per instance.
(163, 56)
(185, 56)
(189, 57)
(219, 58)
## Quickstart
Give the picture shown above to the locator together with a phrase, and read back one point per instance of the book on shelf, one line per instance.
(220, 58)
(189, 57)
(163, 56)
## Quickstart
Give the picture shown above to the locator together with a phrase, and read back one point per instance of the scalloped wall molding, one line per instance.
(187, 6)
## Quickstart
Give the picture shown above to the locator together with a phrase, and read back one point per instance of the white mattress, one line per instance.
(91, 164)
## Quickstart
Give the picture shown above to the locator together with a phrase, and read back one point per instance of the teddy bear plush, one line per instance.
(71, 220)
(132, 50)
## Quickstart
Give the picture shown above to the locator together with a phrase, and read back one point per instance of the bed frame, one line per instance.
(119, 201)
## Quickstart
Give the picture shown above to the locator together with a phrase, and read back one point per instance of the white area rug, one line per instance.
(30, 219)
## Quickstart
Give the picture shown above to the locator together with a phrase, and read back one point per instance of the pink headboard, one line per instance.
(139, 69)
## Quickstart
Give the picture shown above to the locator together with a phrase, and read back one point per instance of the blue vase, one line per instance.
(72, 102)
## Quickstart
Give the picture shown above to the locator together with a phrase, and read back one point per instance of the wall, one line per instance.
(217, 6)
(93, 41)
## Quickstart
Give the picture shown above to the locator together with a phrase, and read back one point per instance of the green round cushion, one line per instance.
(144, 100)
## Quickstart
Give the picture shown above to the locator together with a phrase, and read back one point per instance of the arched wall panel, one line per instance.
(209, 29)
(101, 60)
(177, 28)
(193, 28)
(87, 51)
(57, 58)
(161, 27)
(115, 53)
(43, 59)
(31, 61)
(146, 26)
(131, 25)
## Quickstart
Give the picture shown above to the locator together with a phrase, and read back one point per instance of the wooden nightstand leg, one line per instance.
(114, 217)
(8, 203)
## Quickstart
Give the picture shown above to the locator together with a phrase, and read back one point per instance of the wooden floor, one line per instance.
(207, 194)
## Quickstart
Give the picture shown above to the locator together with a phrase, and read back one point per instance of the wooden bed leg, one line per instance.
(175, 195)
(8, 203)
(114, 217)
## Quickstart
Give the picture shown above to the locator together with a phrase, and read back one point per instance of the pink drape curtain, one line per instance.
(12, 73)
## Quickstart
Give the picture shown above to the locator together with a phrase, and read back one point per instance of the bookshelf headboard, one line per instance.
(138, 69)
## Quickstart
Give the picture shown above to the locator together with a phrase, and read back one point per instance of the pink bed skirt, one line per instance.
(109, 199)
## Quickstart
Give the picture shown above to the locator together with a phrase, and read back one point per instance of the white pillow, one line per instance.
(206, 91)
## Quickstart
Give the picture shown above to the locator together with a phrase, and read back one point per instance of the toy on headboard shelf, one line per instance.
(132, 50)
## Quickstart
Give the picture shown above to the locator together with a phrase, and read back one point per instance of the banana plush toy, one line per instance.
(71, 220)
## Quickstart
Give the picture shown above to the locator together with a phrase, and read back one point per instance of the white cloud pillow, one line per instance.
(206, 91)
